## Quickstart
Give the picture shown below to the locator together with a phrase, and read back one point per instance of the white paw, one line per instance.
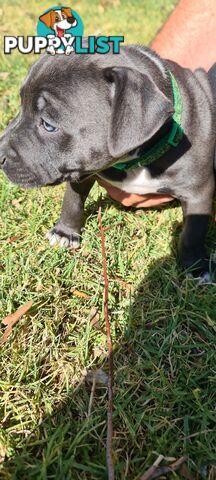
(206, 278)
(69, 241)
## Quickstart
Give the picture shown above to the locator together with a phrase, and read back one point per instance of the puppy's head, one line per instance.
(59, 20)
(78, 114)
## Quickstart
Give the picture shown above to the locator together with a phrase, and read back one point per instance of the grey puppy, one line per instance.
(82, 115)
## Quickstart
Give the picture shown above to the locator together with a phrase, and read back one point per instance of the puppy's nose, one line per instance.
(3, 159)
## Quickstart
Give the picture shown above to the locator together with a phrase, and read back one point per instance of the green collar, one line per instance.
(172, 139)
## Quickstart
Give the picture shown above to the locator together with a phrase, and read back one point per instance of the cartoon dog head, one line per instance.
(59, 20)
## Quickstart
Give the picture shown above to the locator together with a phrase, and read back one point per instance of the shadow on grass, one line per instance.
(164, 391)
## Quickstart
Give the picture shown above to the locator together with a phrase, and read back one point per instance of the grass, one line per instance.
(163, 325)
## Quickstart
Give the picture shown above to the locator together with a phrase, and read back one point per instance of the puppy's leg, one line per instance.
(192, 253)
(67, 231)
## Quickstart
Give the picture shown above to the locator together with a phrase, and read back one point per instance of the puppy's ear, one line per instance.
(47, 18)
(67, 11)
(139, 109)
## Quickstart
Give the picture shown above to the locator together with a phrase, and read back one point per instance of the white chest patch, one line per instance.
(138, 181)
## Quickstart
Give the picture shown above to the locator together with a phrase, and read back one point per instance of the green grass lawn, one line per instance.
(163, 326)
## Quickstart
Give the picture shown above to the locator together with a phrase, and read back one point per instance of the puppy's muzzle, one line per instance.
(6, 152)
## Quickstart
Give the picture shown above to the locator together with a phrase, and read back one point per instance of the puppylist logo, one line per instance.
(59, 31)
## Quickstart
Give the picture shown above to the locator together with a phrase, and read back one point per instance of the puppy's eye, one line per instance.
(64, 16)
(49, 128)
(57, 19)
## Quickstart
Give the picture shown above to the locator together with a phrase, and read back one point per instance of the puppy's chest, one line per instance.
(138, 180)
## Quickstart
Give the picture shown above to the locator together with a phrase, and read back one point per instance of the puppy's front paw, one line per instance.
(205, 278)
(203, 270)
(64, 237)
